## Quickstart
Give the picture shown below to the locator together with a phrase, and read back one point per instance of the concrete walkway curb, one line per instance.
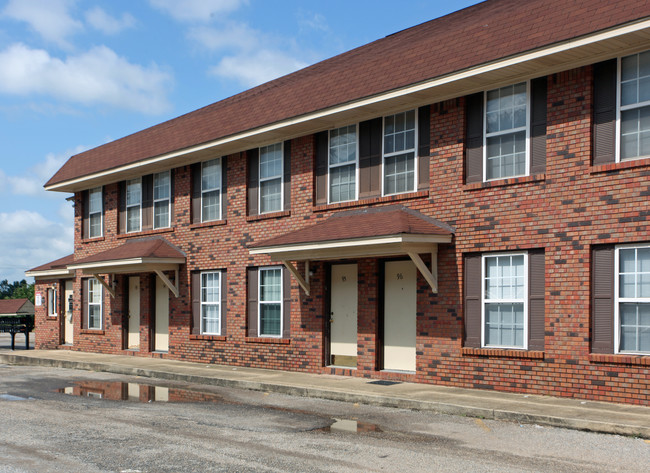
(542, 410)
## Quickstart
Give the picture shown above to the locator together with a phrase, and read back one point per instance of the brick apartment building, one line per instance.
(462, 203)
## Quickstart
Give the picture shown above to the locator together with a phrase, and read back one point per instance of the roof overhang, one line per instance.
(622, 40)
(130, 265)
(50, 274)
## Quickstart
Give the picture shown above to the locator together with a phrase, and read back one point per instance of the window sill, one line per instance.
(145, 233)
(51, 317)
(254, 218)
(633, 163)
(504, 182)
(213, 223)
(92, 240)
(89, 331)
(503, 353)
(270, 341)
(370, 201)
(214, 338)
(620, 359)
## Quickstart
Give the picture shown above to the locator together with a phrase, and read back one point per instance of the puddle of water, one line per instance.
(135, 392)
(384, 382)
(351, 426)
(9, 397)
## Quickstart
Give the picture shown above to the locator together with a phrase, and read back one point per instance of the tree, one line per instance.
(16, 290)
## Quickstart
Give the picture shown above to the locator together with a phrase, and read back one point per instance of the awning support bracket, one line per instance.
(431, 276)
(172, 287)
(304, 284)
(107, 286)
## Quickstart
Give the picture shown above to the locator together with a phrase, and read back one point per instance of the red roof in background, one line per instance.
(142, 248)
(60, 263)
(475, 35)
(366, 223)
(12, 306)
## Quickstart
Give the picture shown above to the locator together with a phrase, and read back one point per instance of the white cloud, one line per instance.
(102, 21)
(49, 18)
(231, 36)
(256, 67)
(197, 10)
(98, 76)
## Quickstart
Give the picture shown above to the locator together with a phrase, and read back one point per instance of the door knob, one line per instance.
(331, 321)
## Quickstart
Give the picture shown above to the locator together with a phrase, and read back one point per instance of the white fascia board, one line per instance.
(126, 262)
(419, 87)
(49, 274)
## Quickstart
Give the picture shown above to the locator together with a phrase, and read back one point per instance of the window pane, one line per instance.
(270, 196)
(343, 183)
(211, 206)
(270, 319)
(161, 186)
(635, 327)
(399, 173)
(210, 287)
(504, 325)
(133, 219)
(95, 226)
(270, 285)
(399, 132)
(343, 145)
(94, 317)
(635, 133)
(161, 214)
(95, 200)
(211, 317)
(271, 161)
(506, 155)
(211, 175)
(506, 108)
(133, 193)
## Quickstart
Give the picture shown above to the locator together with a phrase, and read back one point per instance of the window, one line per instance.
(94, 304)
(271, 170)
(399, 153)
(51, 303)
(504, 301)
(211, 303)
(133, 205)
(161, 199)
(343, 164)
(95, 212)
(634, 106)
(632, 305)
(211, 190)
(270, 302)
(506, 132)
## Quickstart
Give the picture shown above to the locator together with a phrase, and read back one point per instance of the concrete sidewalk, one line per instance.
(543, 410)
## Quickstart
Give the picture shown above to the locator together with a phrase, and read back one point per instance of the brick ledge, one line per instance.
(88, 331)
(537, 355)
(270, 341)
(632, 163)
(505, 182)
(640, 360)
(370, 201)
(145, 233)
(218, 338)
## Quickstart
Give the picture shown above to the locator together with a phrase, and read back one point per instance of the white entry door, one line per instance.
(400, 302)
(68, 325)
(161, 335)
(134, 313)
(343, 320)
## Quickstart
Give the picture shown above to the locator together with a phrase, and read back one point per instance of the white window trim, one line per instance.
(396, 153)
(133, 205)
(512, 130)
(356, 165)
(100, 212)
(618, 300)
(259, 301)
(100, 304)
(168, 200)
(620, 108)
(504, 301)
(260, 179)
(218, 303)
(219, 185)
(51, 302)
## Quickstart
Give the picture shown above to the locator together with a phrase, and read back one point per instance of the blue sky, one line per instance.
(75, 74)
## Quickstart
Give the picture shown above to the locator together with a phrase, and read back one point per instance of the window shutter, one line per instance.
(84, 303)
(538, 92)
(196, 192)
(196, 303)
(536, 289)
(122, 210)
(604, 112)
(224, 188)
(473, 301)
(252, 302)
(147, 202)
(321, 152)
(171, 198)
(424, 145)
(370, 138)
(253, 156)
(286, 303)
(474, 139)
(602, 302)
(287, 175)
(85, 224)
(224, 300)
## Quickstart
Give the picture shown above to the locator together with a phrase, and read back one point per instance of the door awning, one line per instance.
(367, 233)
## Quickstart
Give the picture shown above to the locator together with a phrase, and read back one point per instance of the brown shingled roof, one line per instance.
(366, 223)
(60, 263)
(13, 306)
(475, 35)
(144, 248)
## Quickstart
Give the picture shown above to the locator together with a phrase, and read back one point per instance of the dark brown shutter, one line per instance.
(602, 299)
(253, 157)
(286, 303)
(84, 303)
(424, 144)
(147, 202)
(85, 226)
(536, 289)
(604, 112)
(473, 301)
(321, 152)
(196, 303)
(287, 175)
(196, 193)
(172, 217)
(252, 302)
(224, 302)
(224, 188)
(122, 206)
(538, 93)
(474, 138)
(370, 138)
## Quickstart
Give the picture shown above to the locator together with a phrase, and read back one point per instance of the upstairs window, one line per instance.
(634, 109)
(133, 205)
(343, 164)
(211, 190)
(399, 153)
(270, 172)
(95, 212)
(161, 199)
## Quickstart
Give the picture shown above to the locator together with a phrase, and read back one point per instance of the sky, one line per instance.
(75, 74)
